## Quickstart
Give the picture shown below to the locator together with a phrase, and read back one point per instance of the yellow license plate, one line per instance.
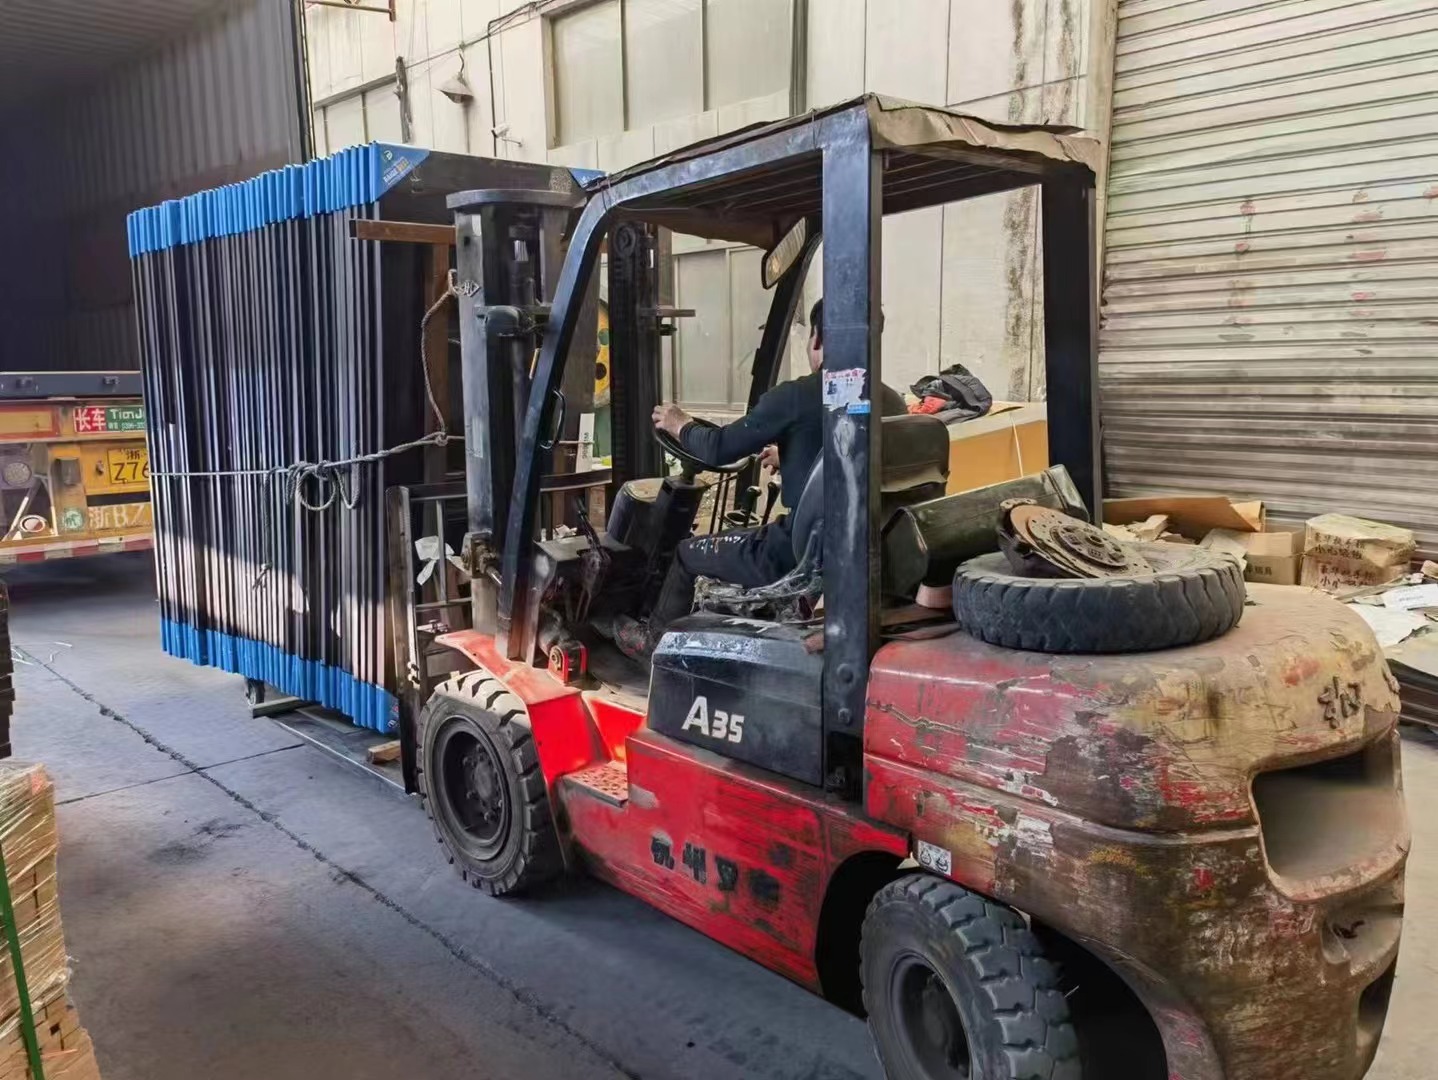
(130, 465)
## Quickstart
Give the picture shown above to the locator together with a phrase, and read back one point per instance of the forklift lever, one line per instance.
(747, 501)
(770, 501)
(558, 428)
(593, 563)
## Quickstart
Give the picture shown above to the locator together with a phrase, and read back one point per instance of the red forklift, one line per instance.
(1132, 821)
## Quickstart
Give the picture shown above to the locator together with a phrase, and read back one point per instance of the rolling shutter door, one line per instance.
(1270, 304)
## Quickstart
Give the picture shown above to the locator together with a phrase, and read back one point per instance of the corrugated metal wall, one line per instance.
(1270, 321)
(216, 105)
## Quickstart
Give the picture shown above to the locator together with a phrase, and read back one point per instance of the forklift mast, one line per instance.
(511, 245)
(635, 350)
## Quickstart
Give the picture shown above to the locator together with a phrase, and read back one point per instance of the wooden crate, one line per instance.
(66, 1052)
(30, 843)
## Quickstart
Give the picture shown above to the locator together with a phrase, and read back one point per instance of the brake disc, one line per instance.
(1074, 547)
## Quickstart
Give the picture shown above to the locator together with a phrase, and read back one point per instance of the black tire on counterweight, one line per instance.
(1192, 596)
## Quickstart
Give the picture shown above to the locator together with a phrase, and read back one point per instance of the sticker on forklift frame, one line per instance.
(858, 408)
(844, 389)
(932, 857)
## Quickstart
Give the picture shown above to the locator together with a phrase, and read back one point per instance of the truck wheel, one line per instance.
(480, 782)
(957, 986)
(1192, 596)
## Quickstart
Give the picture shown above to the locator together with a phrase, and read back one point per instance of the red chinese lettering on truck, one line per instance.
(89, 419)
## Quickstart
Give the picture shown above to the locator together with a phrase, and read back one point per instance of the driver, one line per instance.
(787, 425)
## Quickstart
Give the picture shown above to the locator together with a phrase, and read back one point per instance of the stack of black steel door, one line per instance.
(273, 339)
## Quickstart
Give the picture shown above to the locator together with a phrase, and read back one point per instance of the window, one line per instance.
(746, 49)
(624, 64)
(663, 67)
(588, 77)
(714, 351)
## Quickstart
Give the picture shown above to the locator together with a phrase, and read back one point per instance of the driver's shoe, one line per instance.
(635, 638)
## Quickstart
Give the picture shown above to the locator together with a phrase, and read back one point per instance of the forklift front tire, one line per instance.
(481, 785)
(956, 985)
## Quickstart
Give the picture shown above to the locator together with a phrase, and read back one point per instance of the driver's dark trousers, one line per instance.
(746, 557)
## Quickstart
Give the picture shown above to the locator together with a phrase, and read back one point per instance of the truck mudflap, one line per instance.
(1223, 825)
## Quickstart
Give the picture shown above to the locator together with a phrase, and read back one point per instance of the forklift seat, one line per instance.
(915, 451)
(749, 689)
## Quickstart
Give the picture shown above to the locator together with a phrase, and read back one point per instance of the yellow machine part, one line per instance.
(113, 468)
(79, 452)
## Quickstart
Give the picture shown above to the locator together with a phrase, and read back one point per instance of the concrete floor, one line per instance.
(240, 904)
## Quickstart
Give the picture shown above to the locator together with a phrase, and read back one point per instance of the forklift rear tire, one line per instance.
(479, 779)
(1192, 596)
(958, 986)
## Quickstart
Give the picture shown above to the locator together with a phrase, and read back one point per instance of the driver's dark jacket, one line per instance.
(791, 416)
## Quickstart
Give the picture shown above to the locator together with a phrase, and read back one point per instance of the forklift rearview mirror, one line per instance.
(779, 258)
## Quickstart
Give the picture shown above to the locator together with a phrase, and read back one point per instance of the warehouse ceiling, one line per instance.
(49, 46)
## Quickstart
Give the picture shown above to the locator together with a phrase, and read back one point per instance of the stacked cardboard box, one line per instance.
(28, 842)
(1237, 529)
(1344, 552)
(1272, 558)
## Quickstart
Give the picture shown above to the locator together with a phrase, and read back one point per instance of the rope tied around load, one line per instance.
(336, 479)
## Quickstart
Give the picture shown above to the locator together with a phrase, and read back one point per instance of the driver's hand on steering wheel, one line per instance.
(769, 457)
(670, 418)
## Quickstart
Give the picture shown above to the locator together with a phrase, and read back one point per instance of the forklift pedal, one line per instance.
(609, 782)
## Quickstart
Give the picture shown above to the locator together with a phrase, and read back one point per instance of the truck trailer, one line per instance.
(116, 105)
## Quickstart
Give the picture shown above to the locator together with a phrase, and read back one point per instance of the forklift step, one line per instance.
(609, 782)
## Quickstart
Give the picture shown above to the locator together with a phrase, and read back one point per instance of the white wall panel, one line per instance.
(345, 124)
(580, 155)
(588, 67)
(479, 115)
(835, 67)
(994, 48)
(992, 318)
(382, 121)
(628, 148)
(748, 308)
(663, 60)
(752, 111)
(747, 51)
(906, 49)
(690, 129)
(519, 53)
(421, 105)
(443, 21)
(913, 267)
(476, 15)
(705, 339)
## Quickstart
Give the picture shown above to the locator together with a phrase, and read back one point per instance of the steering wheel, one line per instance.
(691, 463)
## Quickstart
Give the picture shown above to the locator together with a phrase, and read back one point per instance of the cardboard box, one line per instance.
(1269, 558)
(1342, 552)
(1193, 516)
(1010, 441)
(1274, 558)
